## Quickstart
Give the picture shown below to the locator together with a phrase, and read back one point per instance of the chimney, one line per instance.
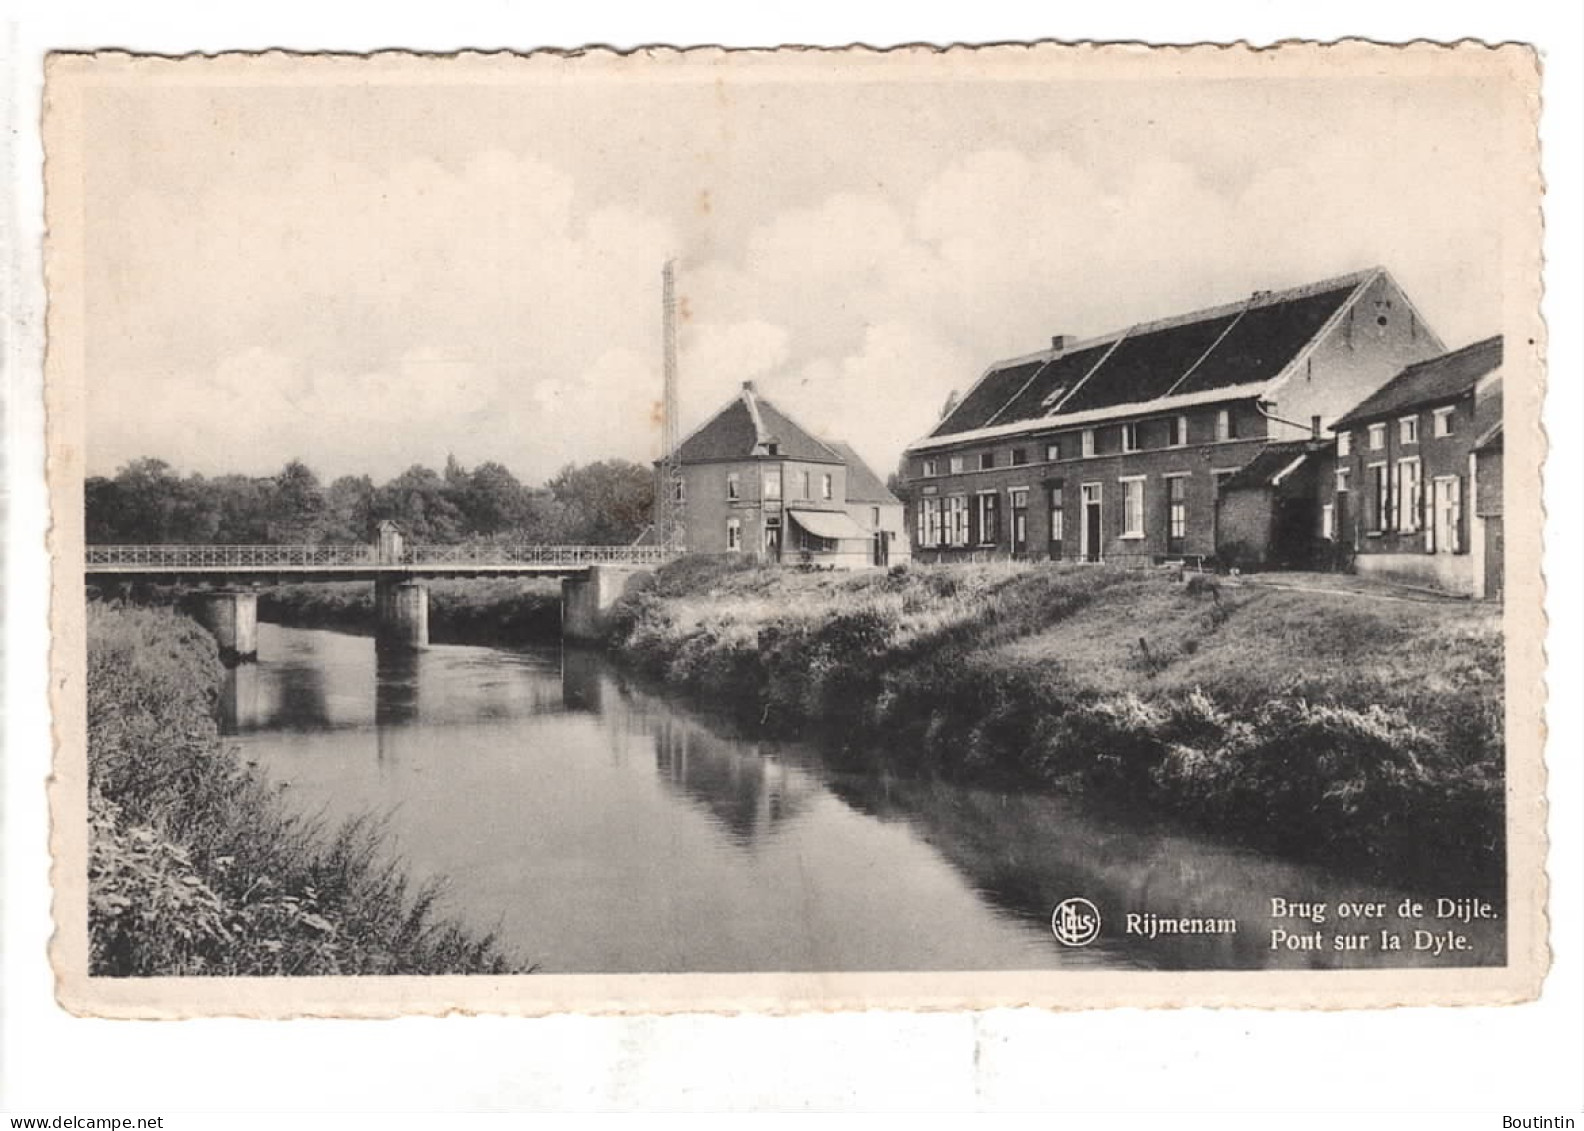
(748, 387)
(1059, 341)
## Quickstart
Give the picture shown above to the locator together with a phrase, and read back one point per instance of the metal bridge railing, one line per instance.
(228, 557)
(487, 555)
(169, 557)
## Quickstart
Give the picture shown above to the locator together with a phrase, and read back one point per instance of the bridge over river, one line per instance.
(593, 579)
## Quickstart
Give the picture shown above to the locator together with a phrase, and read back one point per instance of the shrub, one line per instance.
(196, 866)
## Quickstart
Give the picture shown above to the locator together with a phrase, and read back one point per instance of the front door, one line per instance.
(1019, 523)
(882, 547)
(1089, 533)
(772, 543)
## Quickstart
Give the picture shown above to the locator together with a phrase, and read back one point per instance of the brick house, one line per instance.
(1416, 490)
(757, 482)
(1115, 448)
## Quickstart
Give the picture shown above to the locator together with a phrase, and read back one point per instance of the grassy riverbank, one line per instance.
(196, 866)
(475, 610)
(1360, 732)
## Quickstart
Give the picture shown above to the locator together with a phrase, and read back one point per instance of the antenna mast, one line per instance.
(670, 500)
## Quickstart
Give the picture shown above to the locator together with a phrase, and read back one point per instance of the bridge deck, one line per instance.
(258, 564)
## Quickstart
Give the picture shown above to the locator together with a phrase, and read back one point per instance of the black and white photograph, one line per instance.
(1045, 524)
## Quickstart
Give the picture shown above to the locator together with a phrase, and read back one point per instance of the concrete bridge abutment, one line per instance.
(587, 601)
(231, 616)
(401, 616)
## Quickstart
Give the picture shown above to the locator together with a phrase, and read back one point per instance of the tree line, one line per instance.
(603, 503)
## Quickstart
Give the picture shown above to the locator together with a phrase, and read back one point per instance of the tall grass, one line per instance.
(1364, 734)
(195, 865)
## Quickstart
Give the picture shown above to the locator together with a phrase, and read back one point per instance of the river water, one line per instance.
(600, 826)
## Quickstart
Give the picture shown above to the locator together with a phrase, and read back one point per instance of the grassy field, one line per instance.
(481, 610)
(195, 865)
(1363, 733)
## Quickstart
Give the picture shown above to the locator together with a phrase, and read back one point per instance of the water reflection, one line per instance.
(239, 699)
(748, 793)
(582, 679)
(396, 675)
(604, 827)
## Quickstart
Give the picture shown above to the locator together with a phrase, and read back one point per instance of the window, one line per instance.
(931, 467)
(1380, 497)
(1130, 438)
(1019, 457)
(1342, 484)
(1225, 429)
(679, 490)
(733, 487)
(805, 485)
(957, 520)
(1377, 437)
(1344, 444)
(826, 487)
(1443, 422)
(772, 484)
(986, 461)
(1088, 442)
(1177, 510)
(1177, 431)
(734, 534)
(1057, 514)
(1407, 492)
(930, 525)
(1328, 522)
(1133, 507)
(1053, 450)
(955, 464)
(1221, 476)
(989, 516)
(1408, 430)
(874, 517)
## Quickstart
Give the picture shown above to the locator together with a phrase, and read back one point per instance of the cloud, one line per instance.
(364, 314)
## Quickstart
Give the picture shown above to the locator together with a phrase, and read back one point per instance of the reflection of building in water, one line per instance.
(747, 793)
(581, 679)
(239, 699)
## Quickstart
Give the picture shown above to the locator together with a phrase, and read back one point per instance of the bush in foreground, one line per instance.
(196, 866)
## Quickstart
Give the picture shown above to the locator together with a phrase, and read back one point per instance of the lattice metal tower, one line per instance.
(670, 496)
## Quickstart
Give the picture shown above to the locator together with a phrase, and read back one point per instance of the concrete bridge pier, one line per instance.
(231, 615)
(587, 601)
(401, 616)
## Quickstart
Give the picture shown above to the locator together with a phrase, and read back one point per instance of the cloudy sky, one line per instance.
(371, 274)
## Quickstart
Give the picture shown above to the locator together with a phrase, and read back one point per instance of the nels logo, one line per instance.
(1076, 922)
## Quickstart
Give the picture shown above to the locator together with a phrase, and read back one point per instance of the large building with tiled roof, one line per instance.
(1114, 447)
(1416, 492)
(756, 482)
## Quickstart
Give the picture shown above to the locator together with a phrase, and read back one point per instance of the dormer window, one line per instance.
(1130, 438)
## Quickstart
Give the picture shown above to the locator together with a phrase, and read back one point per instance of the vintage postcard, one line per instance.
(796, 529)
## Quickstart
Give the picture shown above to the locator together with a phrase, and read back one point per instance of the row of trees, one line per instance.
(603, 503)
